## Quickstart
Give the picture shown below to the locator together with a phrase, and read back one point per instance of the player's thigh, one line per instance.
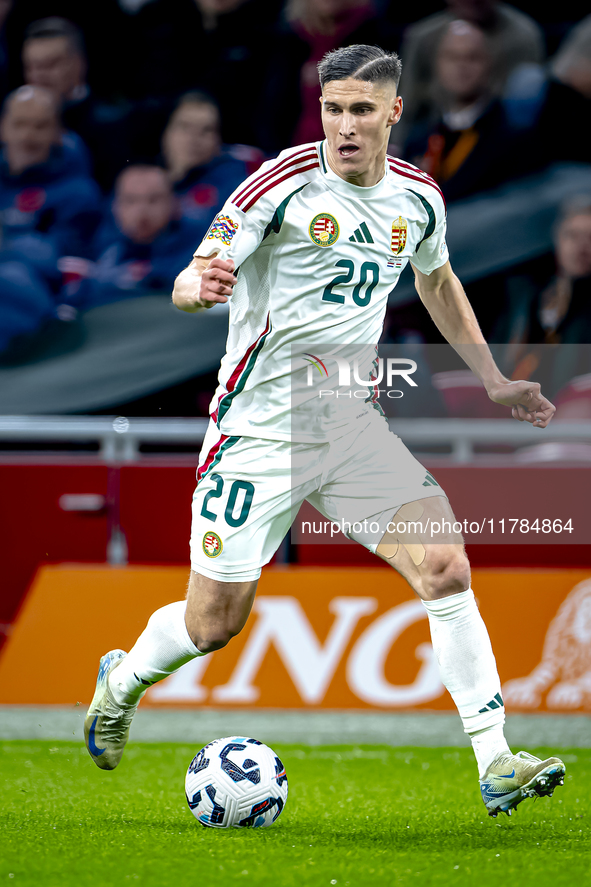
(383, 496)
(216, 610)
(372, 474)
(423, 542)
(241, 510)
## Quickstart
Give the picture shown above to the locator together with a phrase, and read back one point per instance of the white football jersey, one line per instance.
(316, 259)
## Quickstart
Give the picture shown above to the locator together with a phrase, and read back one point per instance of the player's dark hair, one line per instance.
(361, 62)
(55, 26)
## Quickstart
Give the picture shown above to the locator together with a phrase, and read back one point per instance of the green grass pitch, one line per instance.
(355, 816)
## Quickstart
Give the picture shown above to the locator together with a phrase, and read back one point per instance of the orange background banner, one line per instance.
(351, 638)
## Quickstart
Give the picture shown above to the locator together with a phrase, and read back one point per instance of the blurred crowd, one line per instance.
(126, 124)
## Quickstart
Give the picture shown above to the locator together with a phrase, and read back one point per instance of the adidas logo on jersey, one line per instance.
(361, 235)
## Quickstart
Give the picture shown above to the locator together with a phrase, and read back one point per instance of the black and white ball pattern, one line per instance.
(236, 782)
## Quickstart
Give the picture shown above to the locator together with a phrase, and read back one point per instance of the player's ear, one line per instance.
(396, 110)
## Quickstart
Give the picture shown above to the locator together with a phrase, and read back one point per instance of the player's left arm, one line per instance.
(443, 296)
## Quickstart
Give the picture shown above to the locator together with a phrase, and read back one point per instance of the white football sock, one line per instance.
(160, 650)
(467, 668)
(487, 744)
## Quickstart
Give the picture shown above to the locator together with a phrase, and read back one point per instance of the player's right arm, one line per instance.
(204, 283)
(238, 230)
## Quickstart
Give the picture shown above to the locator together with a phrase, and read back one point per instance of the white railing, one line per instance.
(119, 439)
(463, 435)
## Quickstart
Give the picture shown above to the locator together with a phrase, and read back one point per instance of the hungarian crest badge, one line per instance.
(324, 229)
(399, 231)
(212, 544)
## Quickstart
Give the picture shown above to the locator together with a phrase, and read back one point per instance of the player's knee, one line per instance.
(207, 641)
(208, 638)
(447, 574)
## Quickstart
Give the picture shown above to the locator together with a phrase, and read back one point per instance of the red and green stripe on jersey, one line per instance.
(307, 158)
(301, 161)
(240, 374)
(374, 391)
(412, 172)
(215, 454)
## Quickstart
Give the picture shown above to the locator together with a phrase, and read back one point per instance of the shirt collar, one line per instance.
(336, 183)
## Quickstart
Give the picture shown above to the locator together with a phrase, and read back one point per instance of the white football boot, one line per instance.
(106, 726)
(510, 779)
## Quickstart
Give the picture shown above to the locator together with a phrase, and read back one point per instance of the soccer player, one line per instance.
(307, 250)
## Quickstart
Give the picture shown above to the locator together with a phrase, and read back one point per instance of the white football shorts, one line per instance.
(249, 491)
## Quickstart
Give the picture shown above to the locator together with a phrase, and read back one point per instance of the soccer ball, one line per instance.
(236, 783)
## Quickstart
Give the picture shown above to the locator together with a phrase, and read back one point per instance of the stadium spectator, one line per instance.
(535, 99)
(547, 303)
(54, 57)
(307, 30)
(203, 171)
(142, 249)
(40, 195)
(534, 102)
(562, 311)
(43, 208)
(467, 148)
(513, 38)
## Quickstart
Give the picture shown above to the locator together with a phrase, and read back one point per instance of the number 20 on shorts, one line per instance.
(229, 513)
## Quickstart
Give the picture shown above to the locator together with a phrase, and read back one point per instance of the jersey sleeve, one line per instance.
(235, 234)
(431, 251)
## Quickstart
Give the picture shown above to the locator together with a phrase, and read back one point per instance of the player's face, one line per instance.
(357, 117)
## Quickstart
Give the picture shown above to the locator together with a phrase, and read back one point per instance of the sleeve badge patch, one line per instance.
(399, 233)
(324, 230)
(212, 544)
(223, 228)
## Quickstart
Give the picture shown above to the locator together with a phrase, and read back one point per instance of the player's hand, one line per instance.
(203, 283)
(526, 400)
(217, 282)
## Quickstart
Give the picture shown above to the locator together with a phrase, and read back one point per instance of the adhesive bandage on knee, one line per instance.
(160, 650)
(405, 533)
(468, 670)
